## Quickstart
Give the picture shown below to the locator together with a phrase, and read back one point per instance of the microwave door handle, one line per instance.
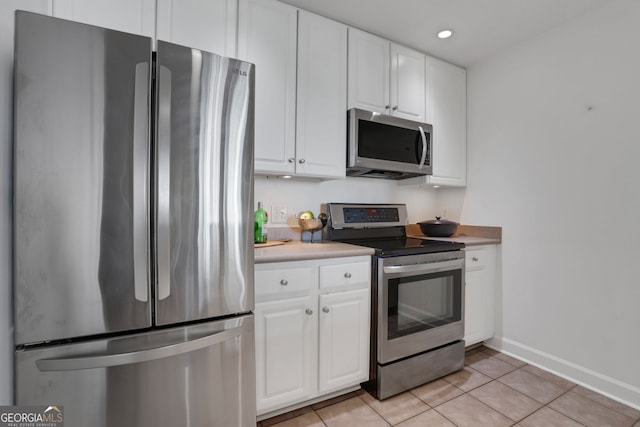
(424, 147)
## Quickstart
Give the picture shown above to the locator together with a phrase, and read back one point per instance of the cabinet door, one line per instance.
(480, 277)
(267, 37)
(286, 352)
(322, 97)
(474, 308)
(344, 339)
(368, 72)
(131, 16)
(407, 83)
(447, 101)
(209, 25)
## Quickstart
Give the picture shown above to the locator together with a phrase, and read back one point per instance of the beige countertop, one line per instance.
(297, 250)
(470, 235)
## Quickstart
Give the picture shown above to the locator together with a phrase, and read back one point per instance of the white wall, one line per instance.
(554, 149)
(301, 195)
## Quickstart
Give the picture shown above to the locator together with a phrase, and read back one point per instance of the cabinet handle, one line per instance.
(395, 107)
(301, 161)
(474, 258)
(325, 309)
(347, 275)
(386, 107)
(284, 282)
(291, 160)
(309, 311)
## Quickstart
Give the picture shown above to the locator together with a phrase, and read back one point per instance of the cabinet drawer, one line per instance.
(284, 283)
(475, 258)
(345, 275)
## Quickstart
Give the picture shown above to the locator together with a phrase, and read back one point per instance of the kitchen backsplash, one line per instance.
(285, 197)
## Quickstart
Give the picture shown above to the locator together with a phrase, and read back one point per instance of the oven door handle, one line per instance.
(432, 267)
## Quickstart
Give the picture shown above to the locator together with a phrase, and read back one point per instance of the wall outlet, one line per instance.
(279, 215)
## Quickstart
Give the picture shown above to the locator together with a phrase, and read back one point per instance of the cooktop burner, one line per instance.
(405, 246)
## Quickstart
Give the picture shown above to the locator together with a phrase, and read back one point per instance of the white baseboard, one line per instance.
(615, 389)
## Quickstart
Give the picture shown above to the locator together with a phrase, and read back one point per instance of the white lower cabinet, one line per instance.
(286, 348)
(312, 329)
(343, 339)
(480, 278)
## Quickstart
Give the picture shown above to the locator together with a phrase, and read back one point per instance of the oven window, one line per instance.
(418, 303)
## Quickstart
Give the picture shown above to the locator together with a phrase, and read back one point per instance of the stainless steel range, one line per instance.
(417, 297)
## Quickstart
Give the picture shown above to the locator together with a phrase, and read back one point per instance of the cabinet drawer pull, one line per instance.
(325, 309)
(291, 160)
(301, 161)
(309, 311)
(475, 258)
(284, 282)
(347, 275)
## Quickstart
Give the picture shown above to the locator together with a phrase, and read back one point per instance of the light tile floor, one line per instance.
(492, 390)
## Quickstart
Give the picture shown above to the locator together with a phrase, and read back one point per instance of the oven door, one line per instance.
(420, 303)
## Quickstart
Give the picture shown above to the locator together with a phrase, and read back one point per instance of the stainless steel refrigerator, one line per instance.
(133, 248)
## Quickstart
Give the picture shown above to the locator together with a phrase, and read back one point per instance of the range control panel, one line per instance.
(370, 215)
(344, 215)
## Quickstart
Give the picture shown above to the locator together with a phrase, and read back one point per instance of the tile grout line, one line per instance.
(374, 410)
(492, 379)
(562, 413)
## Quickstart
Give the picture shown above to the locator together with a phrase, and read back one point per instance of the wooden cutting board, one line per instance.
(271, 243)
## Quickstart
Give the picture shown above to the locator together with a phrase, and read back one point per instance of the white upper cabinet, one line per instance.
(448, 106)
(321, 124)
(207, 25)
(369, 67)
(300, 110)
(131, 16)
(446, 109)
(267, 33)
(385, 77)
(407, 83)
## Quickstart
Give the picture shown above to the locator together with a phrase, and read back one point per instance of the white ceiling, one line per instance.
(482, 27)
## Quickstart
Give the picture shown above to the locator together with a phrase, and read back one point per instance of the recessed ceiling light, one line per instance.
(445, 34)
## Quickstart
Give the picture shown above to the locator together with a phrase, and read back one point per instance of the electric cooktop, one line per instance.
(405, 246)
(381, 227)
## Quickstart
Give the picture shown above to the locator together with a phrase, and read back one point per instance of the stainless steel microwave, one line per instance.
(382, 146)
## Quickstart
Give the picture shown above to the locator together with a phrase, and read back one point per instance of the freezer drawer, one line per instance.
(202, 375)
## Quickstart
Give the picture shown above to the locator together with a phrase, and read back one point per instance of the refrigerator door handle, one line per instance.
(163, 182)
(128, 358)
(141, 162)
